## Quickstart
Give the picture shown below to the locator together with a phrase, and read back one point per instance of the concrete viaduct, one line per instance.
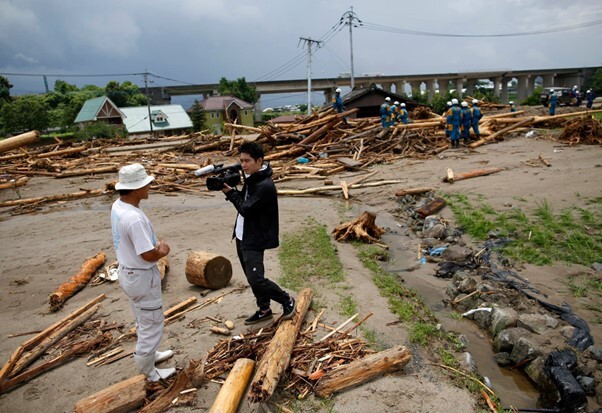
(567, 77)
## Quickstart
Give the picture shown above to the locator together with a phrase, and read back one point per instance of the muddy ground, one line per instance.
(41, 250)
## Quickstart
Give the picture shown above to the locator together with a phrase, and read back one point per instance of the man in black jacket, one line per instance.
(256, 230)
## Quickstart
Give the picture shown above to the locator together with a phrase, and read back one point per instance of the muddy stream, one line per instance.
(513, 388)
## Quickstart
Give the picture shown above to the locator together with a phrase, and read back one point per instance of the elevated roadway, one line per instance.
(565, 77)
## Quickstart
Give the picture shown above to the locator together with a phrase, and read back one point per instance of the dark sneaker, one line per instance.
(259, 316)
(288, 309)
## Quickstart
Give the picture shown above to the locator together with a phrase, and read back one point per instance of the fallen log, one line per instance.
(15, 183)
(431, 207)
(501, 132)
(121, 397)
(334, 188)
(163, 265)
(52, 198)
(208, 270)
(7, 369)
(473, 174)
(317, 134)
(230, 395)
(544, 161)
(188, 166)
(277, 356)
(90, 171)
(19, 140)
(75, 350)
(68, 151)
(192, 376)
(414, 191)
(243, 127)
(27, 358)
(362, 228)
(77, 282)
(362, 370)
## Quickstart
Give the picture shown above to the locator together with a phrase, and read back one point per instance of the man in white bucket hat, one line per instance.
(138, 252)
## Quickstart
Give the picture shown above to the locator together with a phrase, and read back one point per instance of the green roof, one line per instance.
(90, 109)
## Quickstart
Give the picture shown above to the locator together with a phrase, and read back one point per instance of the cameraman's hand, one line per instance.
(227, 188)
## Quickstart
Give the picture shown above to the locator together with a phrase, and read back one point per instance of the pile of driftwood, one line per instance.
(584, 129)
(280, 354)
(313, 148)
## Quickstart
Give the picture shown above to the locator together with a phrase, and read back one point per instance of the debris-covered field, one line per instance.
(55, 215)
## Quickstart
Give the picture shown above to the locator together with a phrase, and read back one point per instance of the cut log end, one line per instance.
(208, 270)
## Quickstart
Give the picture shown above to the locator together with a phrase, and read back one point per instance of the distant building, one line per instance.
(368, 101)
(99, 109)
(166, 119)
(226, 109)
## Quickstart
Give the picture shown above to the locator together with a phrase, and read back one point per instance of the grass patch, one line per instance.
(576, 289)
(348, 306)
(309, 255)
(541, 237)
(403, 302)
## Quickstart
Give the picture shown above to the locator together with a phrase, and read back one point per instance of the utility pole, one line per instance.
(309, 42)
(150, 119)
(351, 17)
(46, 84)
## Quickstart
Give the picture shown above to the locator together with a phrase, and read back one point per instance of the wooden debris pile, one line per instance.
(311, 359)
(584, 129)
(68, 338)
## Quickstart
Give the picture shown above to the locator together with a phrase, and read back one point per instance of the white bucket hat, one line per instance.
(133, 176)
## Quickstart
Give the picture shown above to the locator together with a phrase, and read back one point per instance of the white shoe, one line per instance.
(162, 355)
(146, 366)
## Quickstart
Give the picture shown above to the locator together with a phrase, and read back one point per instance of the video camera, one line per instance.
(222, 175)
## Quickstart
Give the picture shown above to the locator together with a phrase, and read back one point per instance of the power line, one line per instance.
(298, 59)
(398, 30)
(68, 75)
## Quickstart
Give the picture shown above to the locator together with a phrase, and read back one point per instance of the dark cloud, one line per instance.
(199, 41)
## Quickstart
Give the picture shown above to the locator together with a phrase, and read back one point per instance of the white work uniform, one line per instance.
(140, 279)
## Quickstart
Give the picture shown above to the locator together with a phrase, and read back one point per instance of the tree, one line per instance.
(238, 88)
(60, 86)
(25, 113)
(595, 82)
(5, 87)
(125, 94)
(197, 116)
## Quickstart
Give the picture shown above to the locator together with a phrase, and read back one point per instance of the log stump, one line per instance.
(208, 270)
(362, 229)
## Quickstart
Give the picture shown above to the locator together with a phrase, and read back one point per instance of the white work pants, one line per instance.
(143, 288)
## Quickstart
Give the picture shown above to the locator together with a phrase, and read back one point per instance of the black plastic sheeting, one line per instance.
(581, 338)
(558, 366)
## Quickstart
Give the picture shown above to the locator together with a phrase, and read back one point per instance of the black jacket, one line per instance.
(259, 209)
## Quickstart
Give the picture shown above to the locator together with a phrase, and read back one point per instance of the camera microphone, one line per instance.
(204, 170)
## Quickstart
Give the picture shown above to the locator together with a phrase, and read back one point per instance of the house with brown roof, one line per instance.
(226, 109)
(368, 101)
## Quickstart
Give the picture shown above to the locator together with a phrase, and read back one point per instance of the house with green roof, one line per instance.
(164, 119)
(99, 109)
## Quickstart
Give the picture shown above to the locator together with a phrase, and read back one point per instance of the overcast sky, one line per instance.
(200, 41)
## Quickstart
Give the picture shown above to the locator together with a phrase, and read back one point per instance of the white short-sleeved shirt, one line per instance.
(132, 235)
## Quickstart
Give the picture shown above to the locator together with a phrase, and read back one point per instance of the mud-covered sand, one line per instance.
(43, 249)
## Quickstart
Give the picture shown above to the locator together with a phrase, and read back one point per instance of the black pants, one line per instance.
(264, 289)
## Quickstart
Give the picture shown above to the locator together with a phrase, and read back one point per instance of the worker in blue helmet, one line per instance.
(455, 119)
(553, 99)
(385, 113)
(466, 122)
(476, 117)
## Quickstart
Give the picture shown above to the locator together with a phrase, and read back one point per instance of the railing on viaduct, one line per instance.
(433, 83)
